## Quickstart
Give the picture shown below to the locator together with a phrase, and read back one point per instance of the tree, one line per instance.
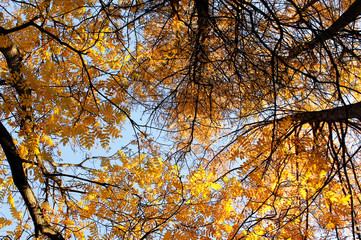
(253, 114)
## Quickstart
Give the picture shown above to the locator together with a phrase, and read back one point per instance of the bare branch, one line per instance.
(349, 16)
(338, 114)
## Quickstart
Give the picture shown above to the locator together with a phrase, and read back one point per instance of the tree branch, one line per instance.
(349, 16)
(14, 59)
(21, 182)
(338, 114)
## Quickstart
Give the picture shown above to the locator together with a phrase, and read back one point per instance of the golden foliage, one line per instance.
(251, 103)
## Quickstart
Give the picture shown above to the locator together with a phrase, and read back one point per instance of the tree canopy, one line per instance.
(252, 115)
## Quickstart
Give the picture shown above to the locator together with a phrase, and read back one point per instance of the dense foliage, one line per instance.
(251, 119)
